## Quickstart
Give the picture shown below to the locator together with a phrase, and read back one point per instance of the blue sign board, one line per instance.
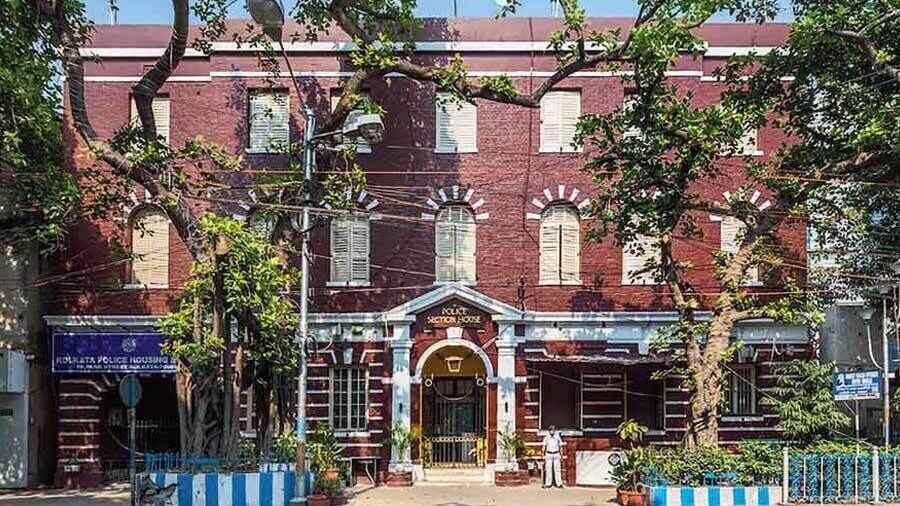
(110, 352)
(856, 386)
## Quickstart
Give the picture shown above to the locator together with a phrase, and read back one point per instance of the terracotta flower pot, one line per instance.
(318, 500)
(508, 479)
(631, 498)
(339, 500)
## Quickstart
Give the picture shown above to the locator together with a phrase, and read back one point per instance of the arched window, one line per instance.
(150, 248)
(560, 246)
(454, 245)
(350, 250)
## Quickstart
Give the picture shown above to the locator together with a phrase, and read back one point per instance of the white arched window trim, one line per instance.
(560, 244)
(149, 236)
(454, 245)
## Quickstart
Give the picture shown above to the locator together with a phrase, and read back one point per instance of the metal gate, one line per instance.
(454, 412)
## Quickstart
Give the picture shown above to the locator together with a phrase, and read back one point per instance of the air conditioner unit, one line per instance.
(12, 372)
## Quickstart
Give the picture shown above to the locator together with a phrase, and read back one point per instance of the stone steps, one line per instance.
(455, 477)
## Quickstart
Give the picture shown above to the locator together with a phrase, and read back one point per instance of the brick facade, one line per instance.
(209, 97)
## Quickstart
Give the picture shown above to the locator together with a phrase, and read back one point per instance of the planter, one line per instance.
(631, 498)
(510, 479)
(401, 479)
(317, 500)
(340, 500)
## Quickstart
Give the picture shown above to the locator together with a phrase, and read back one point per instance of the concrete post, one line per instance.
(401, 388)
(506, 394)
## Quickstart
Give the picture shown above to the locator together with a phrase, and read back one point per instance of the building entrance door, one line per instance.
(454, 422)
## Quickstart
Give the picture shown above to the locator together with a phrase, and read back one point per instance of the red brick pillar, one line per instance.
(80, 415)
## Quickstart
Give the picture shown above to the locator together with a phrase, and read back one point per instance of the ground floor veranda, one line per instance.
(460, 369)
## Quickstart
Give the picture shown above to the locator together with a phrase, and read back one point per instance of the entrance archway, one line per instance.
(453, 404)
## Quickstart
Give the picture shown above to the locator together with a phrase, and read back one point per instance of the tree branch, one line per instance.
(155, 77)
(869, 51)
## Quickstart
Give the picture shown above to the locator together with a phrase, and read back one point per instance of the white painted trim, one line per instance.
(423, 358)
(102, 320)
(346, 284)
(134, 79)
(133, 52)
(422, 46)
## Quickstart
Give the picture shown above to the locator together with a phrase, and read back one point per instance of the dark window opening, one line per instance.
(561, 399)
(646, 397)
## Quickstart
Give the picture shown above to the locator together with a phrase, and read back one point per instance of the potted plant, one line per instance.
(630, 467)
(324, 452)
(399, 439)
(511, 443)
(324, 491)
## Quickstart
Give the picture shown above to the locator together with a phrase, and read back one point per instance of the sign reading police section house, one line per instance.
(110, 353)
(454, 314)
(856, 386)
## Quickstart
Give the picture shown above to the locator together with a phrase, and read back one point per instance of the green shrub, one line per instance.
(686, 466)
(759, 462)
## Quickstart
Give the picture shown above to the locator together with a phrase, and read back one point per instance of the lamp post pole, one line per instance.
(303, 330)
(886, 368)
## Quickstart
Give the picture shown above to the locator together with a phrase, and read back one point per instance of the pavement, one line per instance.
(482, 495)
(471, 495)
(113, 495)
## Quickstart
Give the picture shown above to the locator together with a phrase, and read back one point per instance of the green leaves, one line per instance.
(803, 400)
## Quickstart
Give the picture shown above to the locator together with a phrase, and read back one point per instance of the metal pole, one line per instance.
(304, 303)
(886, 370)
(131, 460)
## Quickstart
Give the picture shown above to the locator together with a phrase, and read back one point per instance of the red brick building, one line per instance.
(462, 298)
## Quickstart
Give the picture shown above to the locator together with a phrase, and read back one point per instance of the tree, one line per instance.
(650, 180)
(242, 280)
(807, 411)
(656, 174)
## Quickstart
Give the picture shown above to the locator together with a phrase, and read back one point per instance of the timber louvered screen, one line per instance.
(150, 248)
(456, 126)
(635, 257)
(455, 235)
(161, 116)
(350, 250)
(560, 111)
(269, 119)
(560, 238)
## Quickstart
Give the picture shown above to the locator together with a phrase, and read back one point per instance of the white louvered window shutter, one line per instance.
(455, 126)
(465, 247)
(570, 112)
(340, 250)
(551, 126)
(269, 121)
(444, 246)
(455, 245)
(150, 248)
(361, 145)
(560, 238)
(359, 250)
(628, 103)
(634, 261)
(161, 116)
(732, 233)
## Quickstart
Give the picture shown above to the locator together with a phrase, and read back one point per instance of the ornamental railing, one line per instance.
(454, 451)
(867, 476)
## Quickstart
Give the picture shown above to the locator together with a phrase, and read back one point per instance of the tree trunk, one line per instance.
(183, 393)
(705, 367)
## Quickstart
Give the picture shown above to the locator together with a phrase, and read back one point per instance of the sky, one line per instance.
(160, 11)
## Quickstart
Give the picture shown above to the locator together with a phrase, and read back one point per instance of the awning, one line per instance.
(617, 359)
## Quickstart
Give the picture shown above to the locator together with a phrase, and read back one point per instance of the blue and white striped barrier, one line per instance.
(715, 496)
(228, 489)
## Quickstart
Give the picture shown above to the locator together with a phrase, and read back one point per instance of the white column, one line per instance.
(400, 389)
(506, 388)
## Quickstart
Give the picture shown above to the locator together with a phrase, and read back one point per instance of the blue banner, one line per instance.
(110, 352)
